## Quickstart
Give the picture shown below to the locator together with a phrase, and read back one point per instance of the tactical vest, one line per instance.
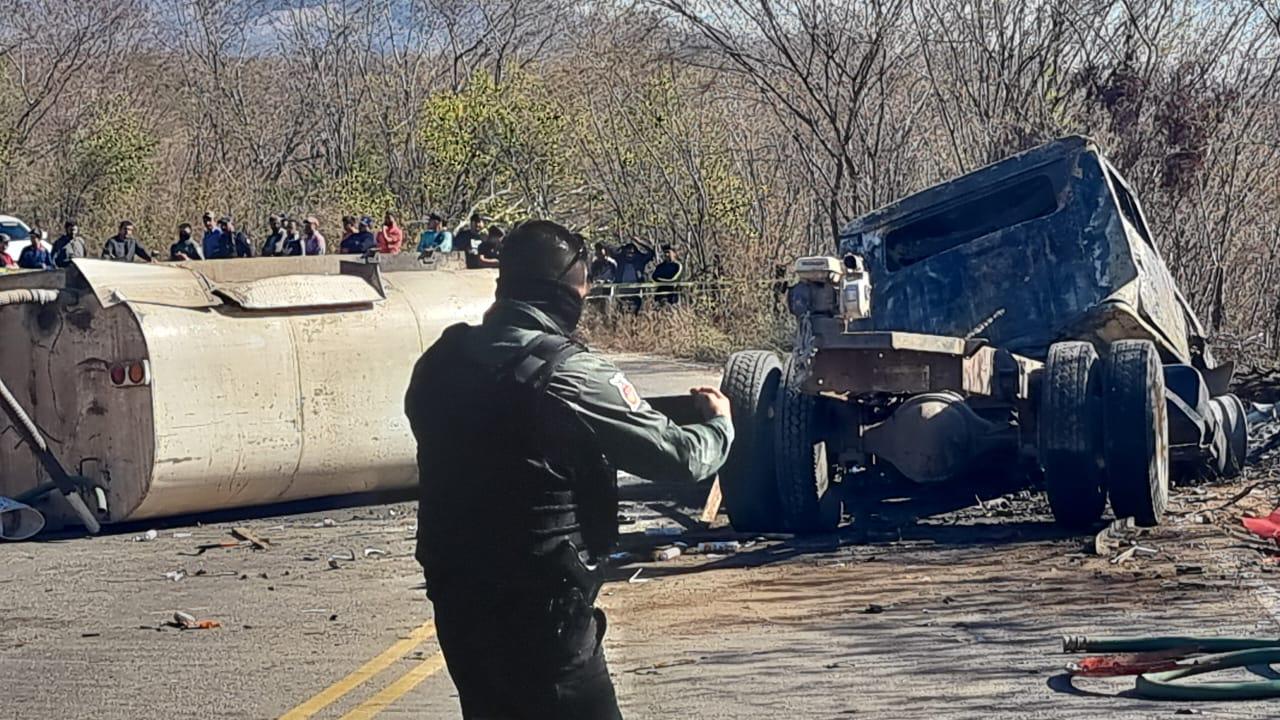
(507, 494)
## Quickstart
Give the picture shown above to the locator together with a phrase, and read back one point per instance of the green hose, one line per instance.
(1162, 685)
(1230, 653)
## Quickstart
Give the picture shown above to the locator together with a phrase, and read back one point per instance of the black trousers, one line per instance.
(516, 654)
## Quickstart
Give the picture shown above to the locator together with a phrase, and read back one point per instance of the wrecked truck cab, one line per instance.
(1021, 314)
(1046, 245)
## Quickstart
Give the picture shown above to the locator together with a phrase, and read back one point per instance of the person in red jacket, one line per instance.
(6, 261)
(390, 238)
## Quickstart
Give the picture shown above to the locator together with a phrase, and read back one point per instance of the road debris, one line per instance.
(187, 621)
(635, 577)
(375, 552)
(327, 522)
(202, 549)
(1125, 664)
(19, 521)
(246, 534)
(724, 547)
(655, 667)
(176, 575)
(711, 508)
(1109, 539)
(1267, 528)
(1124, 556)
(670, 552)
(147, 536)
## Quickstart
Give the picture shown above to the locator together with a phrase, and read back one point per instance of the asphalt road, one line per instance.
(922, 608)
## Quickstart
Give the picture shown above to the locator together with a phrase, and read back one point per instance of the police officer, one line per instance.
(520, 432)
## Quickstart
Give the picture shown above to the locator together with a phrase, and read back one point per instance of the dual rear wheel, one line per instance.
(1103, 430)
(778, 476)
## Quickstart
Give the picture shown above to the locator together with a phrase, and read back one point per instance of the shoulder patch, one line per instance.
(627, 391)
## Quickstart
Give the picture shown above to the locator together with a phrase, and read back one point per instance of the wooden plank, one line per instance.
(246, 534)
(712, 507)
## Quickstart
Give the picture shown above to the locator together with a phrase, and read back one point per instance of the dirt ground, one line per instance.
(924, 607)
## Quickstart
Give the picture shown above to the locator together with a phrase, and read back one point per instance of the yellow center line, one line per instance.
(384, 660)
(395, 690)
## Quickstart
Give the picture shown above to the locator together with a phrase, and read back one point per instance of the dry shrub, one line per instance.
(706, 326)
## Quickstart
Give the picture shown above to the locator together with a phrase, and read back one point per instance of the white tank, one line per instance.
(198, 386)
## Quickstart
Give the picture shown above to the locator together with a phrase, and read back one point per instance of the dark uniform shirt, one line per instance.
(668, 271)
(66, 249)
(357, 243)
(124, 250)
(467, 240)
(490, 249)
(274, 244)
(241, 246)
(187, 247)
(587, 391)
(603, 270)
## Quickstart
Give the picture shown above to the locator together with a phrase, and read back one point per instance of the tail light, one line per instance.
(128, 373)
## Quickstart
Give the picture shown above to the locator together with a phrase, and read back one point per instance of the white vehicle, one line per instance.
(19, 235)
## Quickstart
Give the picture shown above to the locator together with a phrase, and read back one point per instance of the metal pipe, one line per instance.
(1081, 643)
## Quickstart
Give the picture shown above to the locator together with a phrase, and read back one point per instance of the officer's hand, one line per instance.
(710, 402)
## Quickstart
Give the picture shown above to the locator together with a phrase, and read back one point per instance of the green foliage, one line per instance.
(112, 158)
(491, 139)
(362, 189)
(659, 145)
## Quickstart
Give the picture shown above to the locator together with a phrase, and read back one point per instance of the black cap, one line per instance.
(541, 250)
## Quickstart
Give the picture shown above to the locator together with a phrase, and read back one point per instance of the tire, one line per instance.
(746, 481)
(1136, 444)
(805, 497)
(1237, 432)
(1068, 437)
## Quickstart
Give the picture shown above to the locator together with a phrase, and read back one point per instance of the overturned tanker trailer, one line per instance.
(1019, 316)
(169, 389)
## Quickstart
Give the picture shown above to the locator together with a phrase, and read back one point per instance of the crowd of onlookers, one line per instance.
(480, 242)
(221, 238)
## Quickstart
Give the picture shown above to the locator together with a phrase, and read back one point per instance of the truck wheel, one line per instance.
(1136, 445)
(805, 494)
(750, 494)
(1068, 434)
(1236, 427)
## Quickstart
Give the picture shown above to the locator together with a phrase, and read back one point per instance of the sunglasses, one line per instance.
(581, 253)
